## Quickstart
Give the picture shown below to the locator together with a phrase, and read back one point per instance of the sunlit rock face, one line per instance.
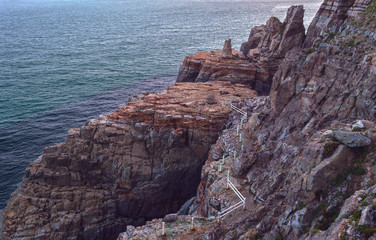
(140, 162)
(258, 59)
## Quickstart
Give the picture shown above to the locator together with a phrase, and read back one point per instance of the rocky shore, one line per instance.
(305, 155)
(141, 162)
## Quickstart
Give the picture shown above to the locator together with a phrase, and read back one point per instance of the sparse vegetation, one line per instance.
(358, 129)
(367, 230)
(301, 206)
(340, 178)
(356, 215)
(329, 149)
(328, 217)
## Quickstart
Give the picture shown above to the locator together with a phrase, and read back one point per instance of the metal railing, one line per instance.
(168, 232)
(236, 205)
(233, 107)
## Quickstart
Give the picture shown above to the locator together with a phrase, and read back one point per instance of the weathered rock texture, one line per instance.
(141, 162)
(331, 16)
(227, 49)
(307, 168)
(211, 66)
(308, 161)
(265, 48)
(306, 176)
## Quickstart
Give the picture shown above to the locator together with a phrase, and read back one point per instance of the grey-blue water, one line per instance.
(64, 62)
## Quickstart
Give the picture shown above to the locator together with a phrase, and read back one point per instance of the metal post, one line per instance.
(244, 205)
(163, 230)
(193, 224)
(241, 124)
(237, 130)
(228, 179)
(240, 137)
(220, 167)
(223, 159)
(218, 219)
(242, 146)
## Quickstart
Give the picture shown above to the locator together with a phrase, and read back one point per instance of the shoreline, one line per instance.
(19, 137)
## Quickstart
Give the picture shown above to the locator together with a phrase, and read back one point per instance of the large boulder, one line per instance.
(329, 168)
(351, 139)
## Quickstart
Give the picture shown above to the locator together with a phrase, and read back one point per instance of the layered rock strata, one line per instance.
(308, 161)
(141, 162)
(258, 60)
(308, 156)
(331, 16)
(307, 166)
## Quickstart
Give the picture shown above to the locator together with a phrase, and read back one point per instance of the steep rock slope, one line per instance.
(308, 157)
(141, 162)
(259, 57)
(331, 15)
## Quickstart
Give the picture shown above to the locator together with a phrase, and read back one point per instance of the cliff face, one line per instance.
(307, 167)
(309, 153)
(258, 60)
(211, 66)
(141, 162)
(331, 16)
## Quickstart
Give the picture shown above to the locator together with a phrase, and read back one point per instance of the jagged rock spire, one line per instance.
(227, 49)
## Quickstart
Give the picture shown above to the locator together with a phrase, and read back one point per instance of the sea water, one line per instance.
(63, 62)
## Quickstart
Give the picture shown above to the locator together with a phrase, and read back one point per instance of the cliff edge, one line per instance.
(141, 162)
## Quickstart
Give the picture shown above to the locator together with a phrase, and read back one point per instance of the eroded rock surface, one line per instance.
(141, 162)
(258, 60)
(227, 49)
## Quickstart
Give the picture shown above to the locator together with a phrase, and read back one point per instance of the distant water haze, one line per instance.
(64, 62)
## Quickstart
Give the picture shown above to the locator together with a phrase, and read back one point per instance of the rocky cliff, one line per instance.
(258, 60)
(308, 155)
(331, 16)
(141, 162)
(306, 168)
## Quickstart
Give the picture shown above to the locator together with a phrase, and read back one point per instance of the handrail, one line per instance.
(242, 202)
(238, 110)
(236, 191)
(230, 209)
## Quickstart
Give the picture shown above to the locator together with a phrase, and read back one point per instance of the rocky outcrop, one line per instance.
(306, 167)
(227, 49)
(356, 214)
(302, 178)
(211, 66)
(258, 60)
(141, 162)
(331, 16)
(351, 139)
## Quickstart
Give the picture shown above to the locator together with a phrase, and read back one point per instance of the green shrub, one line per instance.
(367, 230)
(364, 203)
(356, 215)
(357, 129)
(329, 149)
(301, 206)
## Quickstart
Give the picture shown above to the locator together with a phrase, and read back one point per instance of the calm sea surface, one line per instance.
(64, 62)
